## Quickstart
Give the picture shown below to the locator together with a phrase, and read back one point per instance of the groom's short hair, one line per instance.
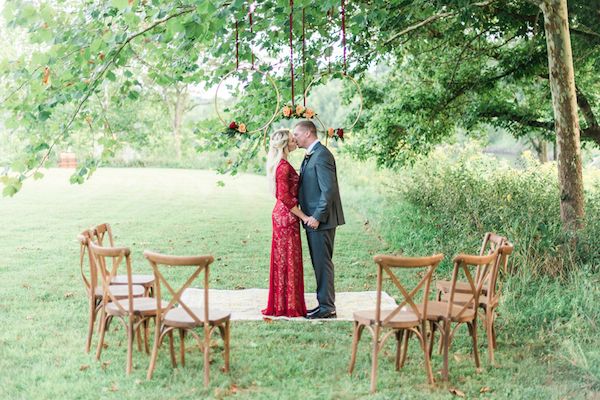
(307, 126)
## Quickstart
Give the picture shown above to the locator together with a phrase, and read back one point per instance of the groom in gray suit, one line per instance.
(319, 198)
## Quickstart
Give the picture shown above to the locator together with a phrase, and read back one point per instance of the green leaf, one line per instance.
(38, 175)
(120, 4)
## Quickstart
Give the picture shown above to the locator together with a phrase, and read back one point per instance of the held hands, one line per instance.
(312, 222)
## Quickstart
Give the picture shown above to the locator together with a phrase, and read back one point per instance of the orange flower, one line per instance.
(242, 128)
(299, 110)
(330, 132)
(309, 113)
(286, 111)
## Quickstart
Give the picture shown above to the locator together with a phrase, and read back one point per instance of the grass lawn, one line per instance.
(43, 303)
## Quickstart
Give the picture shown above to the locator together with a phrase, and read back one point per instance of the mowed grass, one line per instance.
(43, 310)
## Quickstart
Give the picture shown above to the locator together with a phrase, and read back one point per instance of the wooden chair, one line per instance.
(489, 301)
(94, 289)
(406, 317)
(186, 318)
(100, 232)
(132, 311)
(490, 243)
(442, 314)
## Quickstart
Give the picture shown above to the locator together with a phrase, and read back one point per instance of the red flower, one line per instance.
(233, 125)
(340, 133)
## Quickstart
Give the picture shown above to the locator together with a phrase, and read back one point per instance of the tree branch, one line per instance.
(96, 80)
(431, 19)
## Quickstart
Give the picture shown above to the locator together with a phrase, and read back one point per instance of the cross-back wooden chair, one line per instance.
(102, 232)
(131, 311)
(489, 244)
(406, 317)
(94, 288)
(490, 300)
(442, 314)
(186, 318)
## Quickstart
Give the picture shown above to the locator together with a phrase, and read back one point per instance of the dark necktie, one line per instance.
(304, 162)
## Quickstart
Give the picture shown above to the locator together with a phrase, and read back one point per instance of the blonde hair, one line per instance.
(278, 146)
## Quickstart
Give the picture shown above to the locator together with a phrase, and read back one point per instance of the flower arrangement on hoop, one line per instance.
(336, 134)
(234, 128)
(289, 112)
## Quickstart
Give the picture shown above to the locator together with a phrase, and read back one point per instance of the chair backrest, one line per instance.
(85, 238)
(491, 242)
(483, 266)
(197, 264)
(388, 264)
(102, 230)
(117, 255)
(505, 251)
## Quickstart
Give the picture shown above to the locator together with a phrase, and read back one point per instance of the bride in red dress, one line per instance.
(286, 280)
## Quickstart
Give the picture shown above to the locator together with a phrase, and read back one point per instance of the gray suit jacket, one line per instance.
(319, 195)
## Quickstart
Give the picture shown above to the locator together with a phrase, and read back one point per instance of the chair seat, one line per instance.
(180, 318)
(144, 280)
(403, 319)
(436, 310)
(461, 287)
(120, 291)
(462, 298)
(145, 306)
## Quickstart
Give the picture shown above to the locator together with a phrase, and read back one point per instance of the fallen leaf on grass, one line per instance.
(267, 320)
(233, 389)
(68, 294)
(105, 364)
(29, 317)
(114, 388)
(456, 392)
(484, 389)
(26, 286)
(84, 367)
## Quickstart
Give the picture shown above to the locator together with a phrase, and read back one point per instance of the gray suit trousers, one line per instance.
(320, 246)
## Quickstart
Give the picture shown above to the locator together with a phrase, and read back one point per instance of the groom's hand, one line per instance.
(312, 222)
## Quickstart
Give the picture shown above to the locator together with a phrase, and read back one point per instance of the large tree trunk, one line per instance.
(564, 103)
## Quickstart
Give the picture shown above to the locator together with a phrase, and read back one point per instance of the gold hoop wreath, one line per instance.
(360, 96)
(271, 81)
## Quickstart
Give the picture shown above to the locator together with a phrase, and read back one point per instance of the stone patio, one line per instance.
(245, 304)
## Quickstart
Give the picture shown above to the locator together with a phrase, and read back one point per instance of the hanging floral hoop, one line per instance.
(338, 133)
(239, 127)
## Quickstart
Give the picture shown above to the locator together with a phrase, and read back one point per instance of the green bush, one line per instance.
(466, 193)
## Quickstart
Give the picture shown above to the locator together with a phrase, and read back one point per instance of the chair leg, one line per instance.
(355, 339)
(182, 346)
(489, 334)
(154, 350)
(475, 349)
(138, 334)
(432, 328)
(88, 342)
(226, 345)
(375, 352)
(493, 325)
(206, 355)
(423, 340)
(102, 327)
(146, 323)
(405, 337)
(130, 338)
(399, 335)
(445, 342)
(172, 349)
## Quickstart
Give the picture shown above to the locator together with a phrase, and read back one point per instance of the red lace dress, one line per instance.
(286, 281)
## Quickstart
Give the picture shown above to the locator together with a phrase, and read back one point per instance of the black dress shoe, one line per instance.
(322, 315)
(312, 310)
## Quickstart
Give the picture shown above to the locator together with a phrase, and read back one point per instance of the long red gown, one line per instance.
(286, 281)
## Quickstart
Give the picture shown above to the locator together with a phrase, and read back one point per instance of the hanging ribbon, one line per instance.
(344, 32)
(303, 61)
(251, 34)
(237, 46)
(291, 47)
